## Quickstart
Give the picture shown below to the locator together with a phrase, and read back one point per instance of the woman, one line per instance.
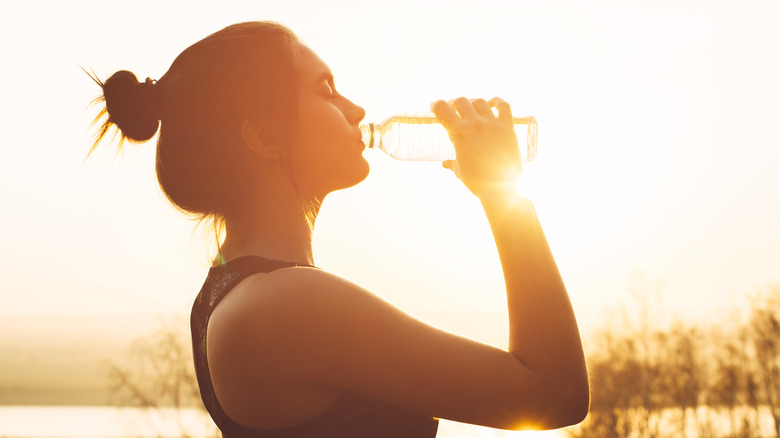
(253, 136)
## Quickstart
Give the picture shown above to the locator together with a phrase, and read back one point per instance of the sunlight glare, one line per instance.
(525, 184)
(535, 434)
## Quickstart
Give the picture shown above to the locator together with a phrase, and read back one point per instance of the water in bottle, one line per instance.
(420, 137)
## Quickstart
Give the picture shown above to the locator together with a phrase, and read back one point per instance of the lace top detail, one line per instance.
(353, 415)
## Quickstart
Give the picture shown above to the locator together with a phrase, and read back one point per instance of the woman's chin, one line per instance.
(350, 177)
(361, 172)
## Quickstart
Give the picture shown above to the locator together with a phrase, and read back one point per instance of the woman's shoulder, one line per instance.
(272, 320)
(250, 337)
(288, 297)
(293, 284)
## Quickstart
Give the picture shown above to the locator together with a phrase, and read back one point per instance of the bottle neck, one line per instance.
(370, 133)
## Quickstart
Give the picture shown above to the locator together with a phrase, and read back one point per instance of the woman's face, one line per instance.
(326, 152)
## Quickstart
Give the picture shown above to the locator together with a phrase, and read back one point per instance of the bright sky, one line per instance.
(658, 153)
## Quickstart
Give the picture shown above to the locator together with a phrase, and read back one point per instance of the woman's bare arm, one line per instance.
(543, 330)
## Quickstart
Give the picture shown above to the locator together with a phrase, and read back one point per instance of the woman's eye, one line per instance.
(329, 91)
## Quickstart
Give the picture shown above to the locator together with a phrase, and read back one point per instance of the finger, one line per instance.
(448, 164)
(464, 107)
(445, 113)
(504, 110)
(482, 107)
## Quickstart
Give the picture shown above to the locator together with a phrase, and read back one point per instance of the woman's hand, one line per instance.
(488, 156)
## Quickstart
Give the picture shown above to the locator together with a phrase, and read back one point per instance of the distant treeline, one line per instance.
(684, 380)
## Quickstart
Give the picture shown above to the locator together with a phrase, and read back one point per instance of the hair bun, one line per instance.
(132, 105)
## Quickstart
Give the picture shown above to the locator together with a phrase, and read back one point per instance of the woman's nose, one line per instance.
(355, 113)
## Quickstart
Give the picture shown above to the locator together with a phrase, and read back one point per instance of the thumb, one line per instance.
(448, 164)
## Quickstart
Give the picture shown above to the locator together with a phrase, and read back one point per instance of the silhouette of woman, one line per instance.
(253, 136)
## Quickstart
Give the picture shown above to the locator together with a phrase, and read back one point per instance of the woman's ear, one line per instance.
(261, 139)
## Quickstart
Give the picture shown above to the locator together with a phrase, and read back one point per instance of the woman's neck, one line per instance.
(291, 246)
(278, 226)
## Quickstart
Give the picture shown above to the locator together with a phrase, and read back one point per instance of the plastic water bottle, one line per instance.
(420, 137)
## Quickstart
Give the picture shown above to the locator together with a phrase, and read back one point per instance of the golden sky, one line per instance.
(658, 153)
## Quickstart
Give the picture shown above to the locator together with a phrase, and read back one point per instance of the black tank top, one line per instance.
(353, 415)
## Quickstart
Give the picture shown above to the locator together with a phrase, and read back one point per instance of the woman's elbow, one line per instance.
(576, 408)
(562, 404)
(570, 405)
